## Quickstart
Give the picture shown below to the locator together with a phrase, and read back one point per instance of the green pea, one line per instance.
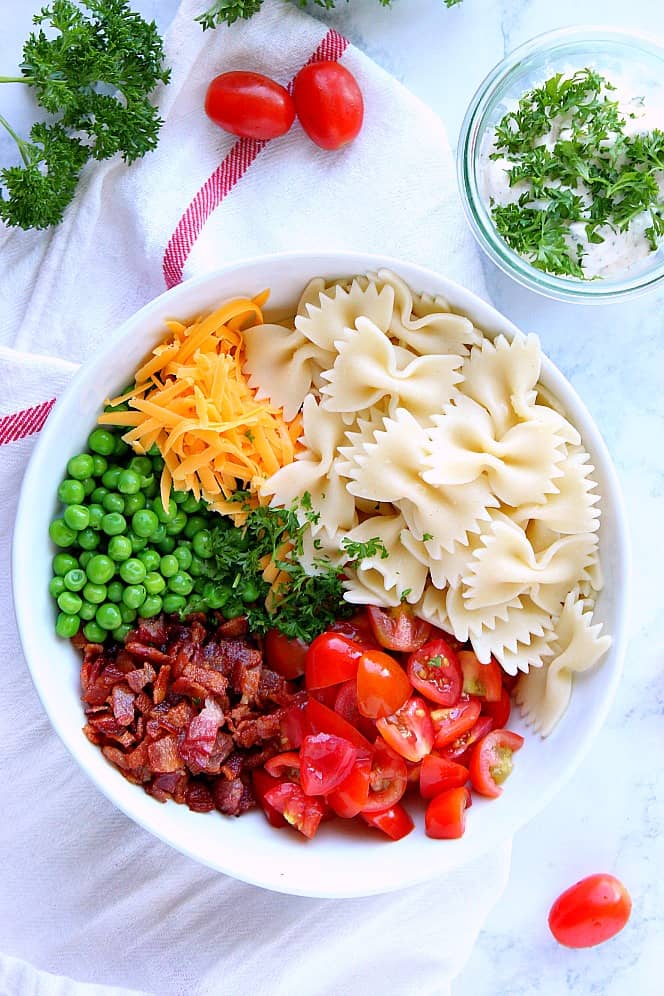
(75, 579)
(63, 562)
(71, 492)
(89, 485)
(114, 523)
(202, 544)
(85, 558)
(197, 567)
(98, 495)
(232, 609)
(88, 539)
(216, 595)
(96, 513)
(159, 534)
(249, 591)
(181, 583)
(69, 602)
(95, 593)
(113, 502)
(176, 524)
(100, 465)
(100, 569)
(129, 482)
(154, 583)
(169, 565)
(114, 591)
(133, 571)
(133, 503)
(150, 607)
(80, 466)
(184, 557)
(151, 488)
(94, 633)
(191, 505)
(56, 586)
(128, 615)
(134, 595)
(154, 451)
(76, 517)
(101, 441)
(67, 625)
(144, 522)
(108, 616)
(87, 611)
(157, 464)
(167, 545)
(120, 633)
(180, 496)
(138, 543)
(122, 407)
(61, 534)
(119, 548)
(173, 603)
(120, 446)
(111, 477)
(141, 465)
(194, 524)
(161, 513)
(150, 558)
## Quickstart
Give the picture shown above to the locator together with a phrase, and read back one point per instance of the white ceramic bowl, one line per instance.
(340, 862)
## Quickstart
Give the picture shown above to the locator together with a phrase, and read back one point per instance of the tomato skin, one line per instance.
(445, 817)
(460, 750)
(398, 629)
(382, 685)
(299, 810)
(482, 680)
(357, 629)
(454, 721)
(409, 731)
(435, 672)
(350, 798)
(345, 704)
(249, 105)
(590, 912)
(261, 784)
(294, 725)
(491, 761)
(331, 659)
(329, 104)
(285, 655)
(321, 719)
(499, 711)
(387, 781)
(395, 822)
(285, 766)
(437, 774)
(325, 762)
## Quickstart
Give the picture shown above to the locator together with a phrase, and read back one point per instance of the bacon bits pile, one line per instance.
(185, 709)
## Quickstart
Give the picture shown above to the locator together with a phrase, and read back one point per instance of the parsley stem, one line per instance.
(16, 79)
(22, 144)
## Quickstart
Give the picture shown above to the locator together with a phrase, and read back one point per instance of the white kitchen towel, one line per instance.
(86, 894)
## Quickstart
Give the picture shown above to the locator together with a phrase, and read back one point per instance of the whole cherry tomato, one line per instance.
(250, 105)
(590, 912)
(329, 104)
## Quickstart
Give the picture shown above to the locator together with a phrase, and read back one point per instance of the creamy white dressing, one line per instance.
(621, 253)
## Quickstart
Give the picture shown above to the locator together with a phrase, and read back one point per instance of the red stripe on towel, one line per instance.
(27, 422)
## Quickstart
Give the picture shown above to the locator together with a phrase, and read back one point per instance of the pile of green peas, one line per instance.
(122, 556)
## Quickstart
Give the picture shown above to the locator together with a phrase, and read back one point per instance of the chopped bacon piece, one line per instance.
(122, 703)
(140, 677)
(199, 797)
(214, 682)
(229, 796)
(201, 736)
(153, 631)
(147, 653)
(234, 627)
(161, 684)
(163, 755)
(233, 766)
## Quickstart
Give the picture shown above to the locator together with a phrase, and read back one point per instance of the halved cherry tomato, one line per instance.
(262, 783)
(483, 680)
(437, 774)
(460, 750)
(498, 711)
(590, 912)
(294, 724)
(491, 761)
(387, 781)
(250, 105)
(328, 696)
(413, 770)
(448, 724)
(285, 766)
(302, 811)
(445, 817)
(382, 684)
(395, 821)
(284, 654)
(329, 104)
(350, 798)
(320, 719)
(398, 629)
(345, 704)
(331, 659)
(434, 670)
(409, 731)
(325, 762)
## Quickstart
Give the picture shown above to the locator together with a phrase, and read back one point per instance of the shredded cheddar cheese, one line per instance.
(192, 400)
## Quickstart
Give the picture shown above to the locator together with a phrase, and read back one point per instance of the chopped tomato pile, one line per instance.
(391, 705)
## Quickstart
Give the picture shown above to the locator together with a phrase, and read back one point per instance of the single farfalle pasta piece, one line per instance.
(338, 308)
(501, 376)
(369, 368)
(543, 694)
(390, 574)
(573, 506)
(517, 636)
(282, 365)
(468, 624)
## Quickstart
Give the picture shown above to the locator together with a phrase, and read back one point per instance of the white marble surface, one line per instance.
(610, 817)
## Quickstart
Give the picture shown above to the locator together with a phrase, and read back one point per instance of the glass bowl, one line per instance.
(638, 60)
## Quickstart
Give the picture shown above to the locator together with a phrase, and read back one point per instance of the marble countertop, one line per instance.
(610, 815)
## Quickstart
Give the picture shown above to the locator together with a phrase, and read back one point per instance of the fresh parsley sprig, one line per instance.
(92, 66)
(230, 11)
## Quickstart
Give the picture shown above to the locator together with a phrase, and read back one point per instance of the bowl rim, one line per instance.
(348, 263)
(472, 131)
